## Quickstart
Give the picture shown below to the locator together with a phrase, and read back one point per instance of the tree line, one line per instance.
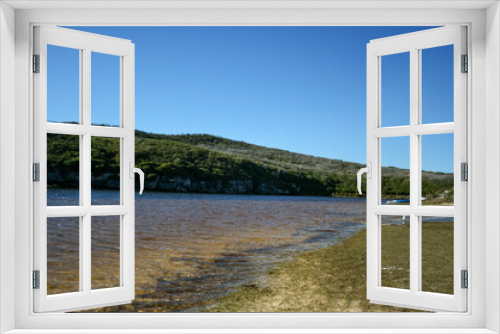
(205, 163)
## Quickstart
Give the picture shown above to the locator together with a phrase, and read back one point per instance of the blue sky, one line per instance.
(301, 89)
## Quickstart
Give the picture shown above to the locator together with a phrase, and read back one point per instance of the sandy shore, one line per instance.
(334, 279)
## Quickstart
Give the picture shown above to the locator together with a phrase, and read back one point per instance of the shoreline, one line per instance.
(305, 284)
(333, 279)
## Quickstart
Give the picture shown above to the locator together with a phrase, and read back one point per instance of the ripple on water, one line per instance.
(194, 248)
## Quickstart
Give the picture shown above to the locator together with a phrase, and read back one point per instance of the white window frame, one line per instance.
(86, 44)
(482, 19)
(414, 44)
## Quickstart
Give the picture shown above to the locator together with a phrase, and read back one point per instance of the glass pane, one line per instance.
(105, 252)
(63, 255)
(63, 170)
(395, 89)
(437, 84)
(437, 169)
(395, 248)
(105, 89)
(105, 171)
(63, 84)
(437, 254)
(395, 161)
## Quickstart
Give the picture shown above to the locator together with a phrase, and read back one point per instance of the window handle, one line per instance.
(368, 171)
(141, 175)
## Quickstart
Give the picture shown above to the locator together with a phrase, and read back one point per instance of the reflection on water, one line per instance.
(194, 248)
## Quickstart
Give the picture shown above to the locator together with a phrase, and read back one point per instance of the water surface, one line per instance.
(194, 248)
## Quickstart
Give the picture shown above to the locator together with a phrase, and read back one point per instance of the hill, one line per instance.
(203, 163)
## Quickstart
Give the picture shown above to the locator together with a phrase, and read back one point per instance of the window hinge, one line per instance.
(464, 169)
(465, 64)
(465, 279)
(36, 279)
(36, 172)
(36, 63)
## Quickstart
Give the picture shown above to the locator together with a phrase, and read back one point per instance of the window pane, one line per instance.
(63, 84)
(437, 169)
(437, 254)
(395, 89)
(63, 170)
(63, 255)
(437, 84)
(395, 161)
(105, 171)
(105, 252)
(105, 89)
(395, 232)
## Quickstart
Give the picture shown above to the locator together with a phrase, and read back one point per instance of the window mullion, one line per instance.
(414, 170)
(86, 166)
(86, 138)
(86, 253)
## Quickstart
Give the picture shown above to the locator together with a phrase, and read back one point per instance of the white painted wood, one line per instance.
(415, 149)
(471, 322)
(86, 298)
(461, 155)
(248, 4)
(85, 192)
(259, 331)
(405, 210)
(413, 43)
(418, 129)
(492, 163)
(127, 160)
(394, 131)
(40, 156)
(7, 167)
(95, 131)
(373, 120)
(97, 210)
(437, 128)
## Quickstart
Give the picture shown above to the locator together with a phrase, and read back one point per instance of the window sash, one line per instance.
(86, 298)
(413, 43)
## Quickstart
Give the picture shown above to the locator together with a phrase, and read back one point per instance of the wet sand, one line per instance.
(194, 249)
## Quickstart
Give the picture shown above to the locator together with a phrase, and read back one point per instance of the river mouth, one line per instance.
(193, 249)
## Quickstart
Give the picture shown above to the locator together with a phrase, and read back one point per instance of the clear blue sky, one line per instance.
(301, 89)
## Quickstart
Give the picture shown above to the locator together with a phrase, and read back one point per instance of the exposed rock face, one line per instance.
(177, 184)
(239, 187)
(268, 188)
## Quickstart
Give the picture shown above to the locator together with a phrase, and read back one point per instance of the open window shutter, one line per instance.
(51, 294)
(416, 294)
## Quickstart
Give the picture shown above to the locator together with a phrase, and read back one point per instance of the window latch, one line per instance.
(133, 170)
(368, 171)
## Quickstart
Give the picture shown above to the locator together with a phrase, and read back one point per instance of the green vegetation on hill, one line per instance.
(209, 164)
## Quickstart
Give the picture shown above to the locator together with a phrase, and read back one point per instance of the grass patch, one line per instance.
(437, 257)
(334, 279)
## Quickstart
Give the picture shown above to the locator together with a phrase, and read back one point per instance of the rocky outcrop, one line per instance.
(61, 179)
(179, 184)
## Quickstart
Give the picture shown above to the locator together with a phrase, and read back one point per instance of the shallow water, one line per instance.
(194, 248)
